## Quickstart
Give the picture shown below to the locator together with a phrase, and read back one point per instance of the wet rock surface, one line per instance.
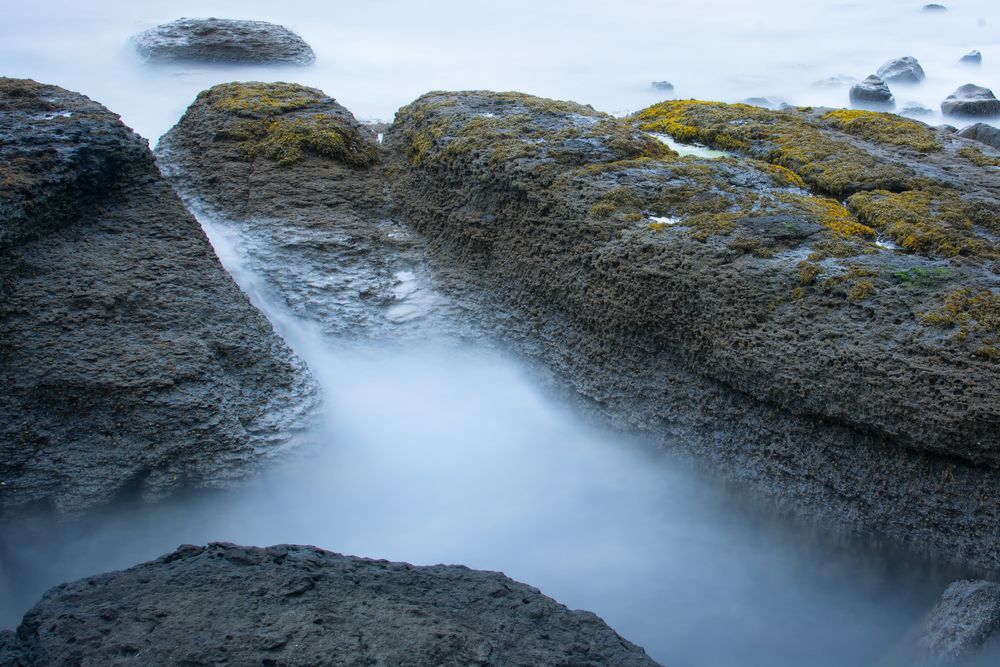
(768, 328)
(901, 70)
(213, 40)
(982, 133)
(294, 605)
(872, 93)
(964, 627)
(131, 362)
(971, 100)
(301, 181)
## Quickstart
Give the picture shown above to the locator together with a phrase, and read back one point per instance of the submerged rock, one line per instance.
(838, 81)
(295, 605)
(736, 307)
(872, 93)
(964, 627)
(983, 133)
(916, 109)
(131, 362)
(223, 41)
(901, 70)
(934, 7)
(972, 58)
(971, 100)
(775, 103)
(663, 85)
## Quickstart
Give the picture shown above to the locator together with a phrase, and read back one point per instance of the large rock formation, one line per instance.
(215, 40)
(292, 605)
(301, 181)
(842, 360)
(971, 101)
(130, 361)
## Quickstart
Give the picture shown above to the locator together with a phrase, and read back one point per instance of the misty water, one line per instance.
(456, 452)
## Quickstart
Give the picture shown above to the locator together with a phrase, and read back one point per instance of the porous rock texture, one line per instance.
(294, 605)
(130, 360)
(840, 360)
(215, 40)
(963, 628)
(299, 179)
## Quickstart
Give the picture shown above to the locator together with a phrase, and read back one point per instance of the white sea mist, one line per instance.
(450, 452)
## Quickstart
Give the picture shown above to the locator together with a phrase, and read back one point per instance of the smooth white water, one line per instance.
(378, 55)
(450, 453)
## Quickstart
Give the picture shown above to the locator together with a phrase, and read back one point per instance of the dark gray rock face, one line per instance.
(971, 100)
(130, 361)
(982, 132)
(972, 58)
(294, 605)
(964, 627)
(901, 70)
(682, 296)
(314, 218)
(223, 41)
(916, 109)
(872, 93)
(663, 85)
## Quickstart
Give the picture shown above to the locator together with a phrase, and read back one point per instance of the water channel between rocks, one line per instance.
(433, 450)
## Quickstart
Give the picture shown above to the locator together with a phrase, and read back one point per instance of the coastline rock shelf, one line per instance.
(293, 605)
(840, 358)
(130, 360)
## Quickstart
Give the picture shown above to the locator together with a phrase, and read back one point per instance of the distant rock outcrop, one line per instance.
(872, 93)
(130, 360)
(223, 41)
(972, 58)
(295, 605)
(901, 70)
(971, 100)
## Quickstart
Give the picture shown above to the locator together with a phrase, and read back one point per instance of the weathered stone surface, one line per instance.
(972, 58)
(131, 362)
(762, 327)
(872, 93)
(983, 133)
(223, 41)
(964, 627)
(901, 70)
(971, 100)
(294, 605)
(301, 181)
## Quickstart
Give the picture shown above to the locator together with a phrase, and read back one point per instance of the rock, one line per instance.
(223, 41)
(764, 331)
(300, 179)
(872, 93)
(295, 605)
(901, 70)
(964, 626)
(838, 81)
(982, 132)
(663, 85)
(972, 58)
(774, 103)
(971, 100)
(916, 109)
(131, 362)
(934, 7)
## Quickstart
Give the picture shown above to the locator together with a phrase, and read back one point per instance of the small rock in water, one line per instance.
(773, 103)
(982, 132)
(872, 93)
(964, 623)
(972, 58)
(916, 109)
(662, 85)
(901, 70)
(934, 7)
(837, 81)
(971, 100)
(223, 41)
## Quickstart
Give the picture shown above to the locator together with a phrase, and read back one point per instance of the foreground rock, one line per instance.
(736, 307)
(901, 70)
(971, 100)
(872, 93)
(293, 605)
(300, 180)
(964, 627)
(130, 361)
(223, 41)
(982, 133)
